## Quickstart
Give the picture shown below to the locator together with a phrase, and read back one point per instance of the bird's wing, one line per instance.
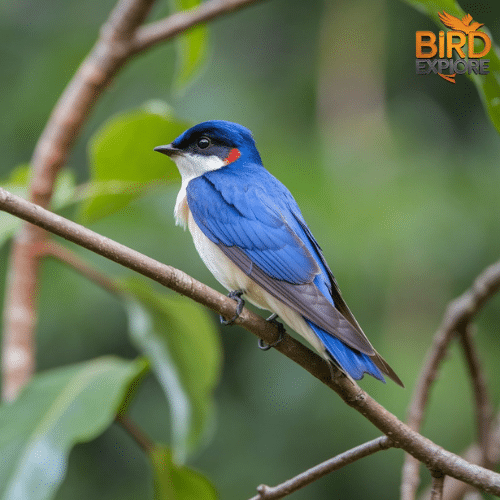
(467, 19)
(258, 230)
(451, 21)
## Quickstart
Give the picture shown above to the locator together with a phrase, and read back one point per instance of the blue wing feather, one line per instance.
(245, 217)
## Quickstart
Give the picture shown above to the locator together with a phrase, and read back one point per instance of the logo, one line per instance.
(459, 50)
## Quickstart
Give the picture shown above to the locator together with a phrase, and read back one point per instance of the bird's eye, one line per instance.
(204, 142)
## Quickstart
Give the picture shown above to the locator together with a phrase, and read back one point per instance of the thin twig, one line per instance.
(483, 408)
(455, 490)
(171, 26)
(431, 455)
(457, 316)
(322, 469)
(73, 260)
(437, 486)
(116, 45)
(144, 441)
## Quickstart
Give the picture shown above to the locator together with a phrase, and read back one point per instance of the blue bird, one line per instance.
(251, 234)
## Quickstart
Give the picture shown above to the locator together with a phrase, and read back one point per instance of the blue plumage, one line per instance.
(243, 215)
(254, 220)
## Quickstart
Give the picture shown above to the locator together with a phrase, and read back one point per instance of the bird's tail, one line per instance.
(352, 362)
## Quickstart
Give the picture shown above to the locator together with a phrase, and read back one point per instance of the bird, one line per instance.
(251, 235)
(456, 24)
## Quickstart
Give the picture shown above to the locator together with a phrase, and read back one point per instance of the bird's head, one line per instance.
(209, 146)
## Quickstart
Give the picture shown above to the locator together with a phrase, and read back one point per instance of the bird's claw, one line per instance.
(281, 330)
(236, 296)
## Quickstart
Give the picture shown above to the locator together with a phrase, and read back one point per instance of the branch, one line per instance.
(437, 486)
(458, 315)
(73, 260)
(138, 435)
(456, 490)
(119, 40)
(484, 410)
(168, 28)
(433, 456)
(320, 470)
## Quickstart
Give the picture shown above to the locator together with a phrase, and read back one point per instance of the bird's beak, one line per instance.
(168, 150)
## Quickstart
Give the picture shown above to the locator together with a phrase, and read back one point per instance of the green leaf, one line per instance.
(192, 49)
(488, 85)
(17, 183)
(181, 342)
(122, 161)
(173, 482)
(56, 410)
(432, 7)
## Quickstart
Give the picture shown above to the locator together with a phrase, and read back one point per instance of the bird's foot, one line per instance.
(281, 330)
(236, 296)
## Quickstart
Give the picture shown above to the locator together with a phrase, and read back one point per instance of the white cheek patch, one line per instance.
(191, 166)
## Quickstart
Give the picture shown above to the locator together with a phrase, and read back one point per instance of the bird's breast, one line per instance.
(224, 270)
(181, 210)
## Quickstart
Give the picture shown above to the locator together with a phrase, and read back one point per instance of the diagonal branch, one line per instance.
(73, 260)
(322, 469)
(120, 38)
(167, 28)
(431, 455)
(138, 435)
(458, 315)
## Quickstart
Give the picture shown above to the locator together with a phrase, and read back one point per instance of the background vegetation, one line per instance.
(396, 174)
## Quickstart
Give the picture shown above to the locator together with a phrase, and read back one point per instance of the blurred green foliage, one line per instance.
(185, 353)
(176, 482)
(396, 174)
(57, 409)
(192, 50)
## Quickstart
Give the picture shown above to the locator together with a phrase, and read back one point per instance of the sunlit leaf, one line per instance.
(122, 161)
(192, 49)
(174, 482)
(181, 342)
(17, 183)
(488, 85)
(56, 410)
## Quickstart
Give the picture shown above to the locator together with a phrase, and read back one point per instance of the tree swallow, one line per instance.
(250, 233)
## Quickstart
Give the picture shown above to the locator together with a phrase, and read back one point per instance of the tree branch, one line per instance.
(119, 40)
(73, 260)
(456, 490)
(168, 28)
(484, 410)
(437, 486)
(458, 314)
(322, 469)
(433, 456)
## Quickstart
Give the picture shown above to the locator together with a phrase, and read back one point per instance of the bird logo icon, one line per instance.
(454, 50)
(464, 25)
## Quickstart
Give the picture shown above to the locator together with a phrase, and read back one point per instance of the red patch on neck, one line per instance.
(233, 155)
